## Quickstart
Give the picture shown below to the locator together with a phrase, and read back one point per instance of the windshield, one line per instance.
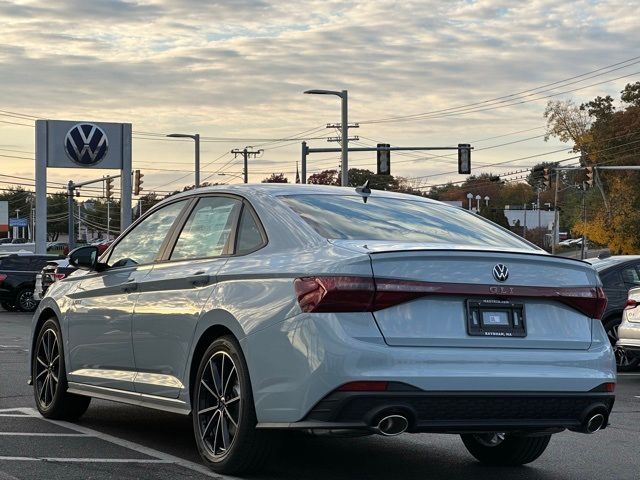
(383, 218)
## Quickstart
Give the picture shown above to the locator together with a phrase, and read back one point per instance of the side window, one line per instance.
(207, 230)
(612, 280)
(249, 236)
(142, 244)
(630, 276)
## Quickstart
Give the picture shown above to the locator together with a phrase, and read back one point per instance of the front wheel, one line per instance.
(505, 449)
(224, 418)
(50, 377)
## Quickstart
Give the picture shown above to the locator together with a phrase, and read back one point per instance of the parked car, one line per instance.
(53, 271)
(619, 274)
(629, 330)
(5, 240)
(262, 308)
(17, 280)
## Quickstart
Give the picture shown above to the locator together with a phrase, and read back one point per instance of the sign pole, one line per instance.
(42, 131)
(125, 179)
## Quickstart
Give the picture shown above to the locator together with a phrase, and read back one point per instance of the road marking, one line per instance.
(40, 434)
(165, 457)
(83, 460)
(20, 415)
(629, 374)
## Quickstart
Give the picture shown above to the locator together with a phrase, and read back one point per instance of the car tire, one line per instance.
(224, 417)
(505, 449)
(50, 378)
(625, 360)
(9, 307)
(25, 301)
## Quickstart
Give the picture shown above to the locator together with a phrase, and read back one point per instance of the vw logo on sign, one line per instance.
(500, 272)
(86, 144)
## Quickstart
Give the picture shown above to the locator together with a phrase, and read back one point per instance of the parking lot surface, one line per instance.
(120, 441)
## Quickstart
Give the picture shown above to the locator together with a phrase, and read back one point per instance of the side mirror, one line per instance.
(85, 258)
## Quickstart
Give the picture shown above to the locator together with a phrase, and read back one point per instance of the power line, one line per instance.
(524, 93)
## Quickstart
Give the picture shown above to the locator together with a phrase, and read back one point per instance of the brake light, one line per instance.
(3, 277)
(365, 294)
(631, 303)
(59, 276)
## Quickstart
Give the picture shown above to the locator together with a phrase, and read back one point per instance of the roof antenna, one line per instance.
(364, 191)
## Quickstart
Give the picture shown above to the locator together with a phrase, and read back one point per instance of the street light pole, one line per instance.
(344, 129)
(478, 197)
(470, 197)
(196, 139)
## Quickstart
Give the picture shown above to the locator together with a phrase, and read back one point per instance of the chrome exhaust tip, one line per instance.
(595, 423)
(391, 425)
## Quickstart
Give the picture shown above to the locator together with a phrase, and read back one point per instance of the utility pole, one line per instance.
(70, 222)
(540, 220)
(245, 152)
(556, 217)
(584, 219)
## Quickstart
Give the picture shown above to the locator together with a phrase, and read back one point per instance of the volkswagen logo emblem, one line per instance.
(500, 272)
(86, 144)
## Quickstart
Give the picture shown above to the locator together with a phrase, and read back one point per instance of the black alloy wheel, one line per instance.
(25, 301)
(50, 379)
(224, 417)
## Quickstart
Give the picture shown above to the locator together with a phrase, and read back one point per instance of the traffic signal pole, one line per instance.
(71, 189)
(463, 148)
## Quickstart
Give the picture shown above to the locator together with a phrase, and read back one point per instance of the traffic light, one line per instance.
(590, 176)
(137, 183)
(464, 158)
(108, 188)
(384, 159)
(547, 178)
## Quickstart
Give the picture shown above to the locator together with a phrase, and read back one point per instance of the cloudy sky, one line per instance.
(234, 71)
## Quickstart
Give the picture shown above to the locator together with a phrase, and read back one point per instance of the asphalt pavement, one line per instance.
(120, 441)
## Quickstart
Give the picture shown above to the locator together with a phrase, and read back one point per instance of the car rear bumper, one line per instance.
(456, 412)
(314, 355)
(629, 335)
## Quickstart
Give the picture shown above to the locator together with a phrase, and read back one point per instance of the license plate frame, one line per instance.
(496, 318)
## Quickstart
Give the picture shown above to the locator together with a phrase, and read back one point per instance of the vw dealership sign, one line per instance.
(80, 144)
(86, 144)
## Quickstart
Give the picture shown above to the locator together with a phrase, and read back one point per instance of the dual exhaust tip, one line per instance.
(391, 425)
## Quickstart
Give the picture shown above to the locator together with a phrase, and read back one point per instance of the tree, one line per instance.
(567, 122)
(631, 94)
(276, 178)
(326, 177)
(357, 177)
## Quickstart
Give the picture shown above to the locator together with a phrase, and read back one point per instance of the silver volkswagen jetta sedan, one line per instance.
(263, 308)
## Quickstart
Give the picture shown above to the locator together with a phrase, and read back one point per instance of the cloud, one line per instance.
(239, 68)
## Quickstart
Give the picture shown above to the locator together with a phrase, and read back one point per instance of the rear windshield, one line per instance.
(383, 218)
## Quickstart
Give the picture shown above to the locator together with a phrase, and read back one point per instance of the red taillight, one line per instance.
(364, 386)
(631, 303)
(59, 276)
(2, 277)
(335, 294)
(364, 294)
(609, 387)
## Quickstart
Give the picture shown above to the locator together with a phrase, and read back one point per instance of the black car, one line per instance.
(619, 274)
(17, 280)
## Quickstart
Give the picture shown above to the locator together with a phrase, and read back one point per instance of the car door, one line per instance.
(99, 316)
(172, 295)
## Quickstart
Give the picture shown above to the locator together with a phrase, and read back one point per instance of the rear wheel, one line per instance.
(25, 301)
(625, 360)
(505, 449)
(224, 417)
(50, 377)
